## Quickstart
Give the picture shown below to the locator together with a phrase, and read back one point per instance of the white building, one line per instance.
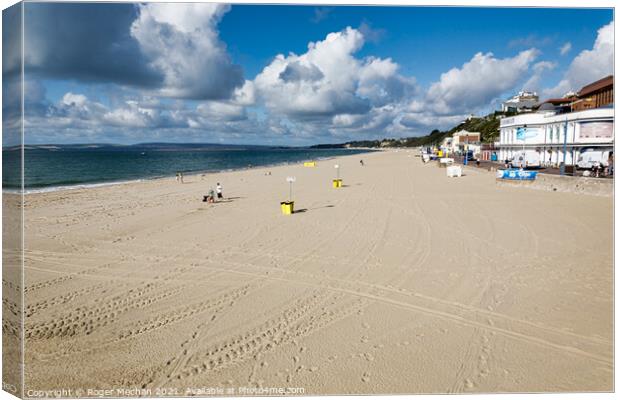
(464, 138)
(446, 144)
(521, 102)
(545, 133)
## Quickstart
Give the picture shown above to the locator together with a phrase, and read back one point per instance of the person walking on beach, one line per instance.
(362, 163)
(181, 176)
(218, 189)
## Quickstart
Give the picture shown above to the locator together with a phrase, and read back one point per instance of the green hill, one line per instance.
(488, 126)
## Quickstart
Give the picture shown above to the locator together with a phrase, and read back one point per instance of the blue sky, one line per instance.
(425, 41)
(246, 74)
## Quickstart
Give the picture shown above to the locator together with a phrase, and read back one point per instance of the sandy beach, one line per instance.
(402, 281)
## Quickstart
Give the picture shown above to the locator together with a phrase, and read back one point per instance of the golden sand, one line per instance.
(401, 281)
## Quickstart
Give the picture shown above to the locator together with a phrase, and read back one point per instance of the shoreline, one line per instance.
(95, 185)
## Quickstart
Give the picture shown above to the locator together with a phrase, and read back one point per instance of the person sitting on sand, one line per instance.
(218, 189)
(211, 196)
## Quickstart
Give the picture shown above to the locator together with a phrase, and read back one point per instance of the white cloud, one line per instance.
(74, 100)
(77, 110)
(533, 84)
(149, 118)
(321, 81)
(478, 82)
(425, 121)
(589, 65)
(565, 48)
(181, 41)
(329, 80)
(221, 111)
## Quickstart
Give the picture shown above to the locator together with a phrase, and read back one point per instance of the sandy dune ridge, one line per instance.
(403, 281)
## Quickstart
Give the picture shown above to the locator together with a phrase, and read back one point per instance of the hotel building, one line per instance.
(558, 132)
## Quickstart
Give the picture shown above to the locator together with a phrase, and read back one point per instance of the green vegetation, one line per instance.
(488, 126)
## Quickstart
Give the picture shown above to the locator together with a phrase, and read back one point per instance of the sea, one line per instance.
(55, 167)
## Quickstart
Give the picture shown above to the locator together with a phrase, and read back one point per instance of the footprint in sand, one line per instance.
(366, 377)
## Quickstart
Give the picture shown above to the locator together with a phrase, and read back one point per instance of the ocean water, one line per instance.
(56, 167)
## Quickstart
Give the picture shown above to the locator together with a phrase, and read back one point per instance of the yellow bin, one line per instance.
(310, 164)
(337, 183)
(287, 207)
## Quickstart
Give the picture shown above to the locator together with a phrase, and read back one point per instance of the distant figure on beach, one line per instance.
(218, 189)
(177, 177)
(180, 177)
(610, 163)
(211, 196)
(477, 162)
(362, 163)
(506, 162)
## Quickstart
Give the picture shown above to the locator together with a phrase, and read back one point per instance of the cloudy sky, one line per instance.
(289, 75)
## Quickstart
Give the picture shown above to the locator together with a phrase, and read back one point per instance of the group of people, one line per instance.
(214, 195)
(599, 170)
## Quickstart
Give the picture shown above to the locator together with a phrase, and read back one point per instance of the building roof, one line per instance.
(558, 101)
(592, 114)
(546, 107)
(607, 81)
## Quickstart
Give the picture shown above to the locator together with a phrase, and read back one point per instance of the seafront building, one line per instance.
(546, 133)
(457, 142)
(523, 101)
(562, 129)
